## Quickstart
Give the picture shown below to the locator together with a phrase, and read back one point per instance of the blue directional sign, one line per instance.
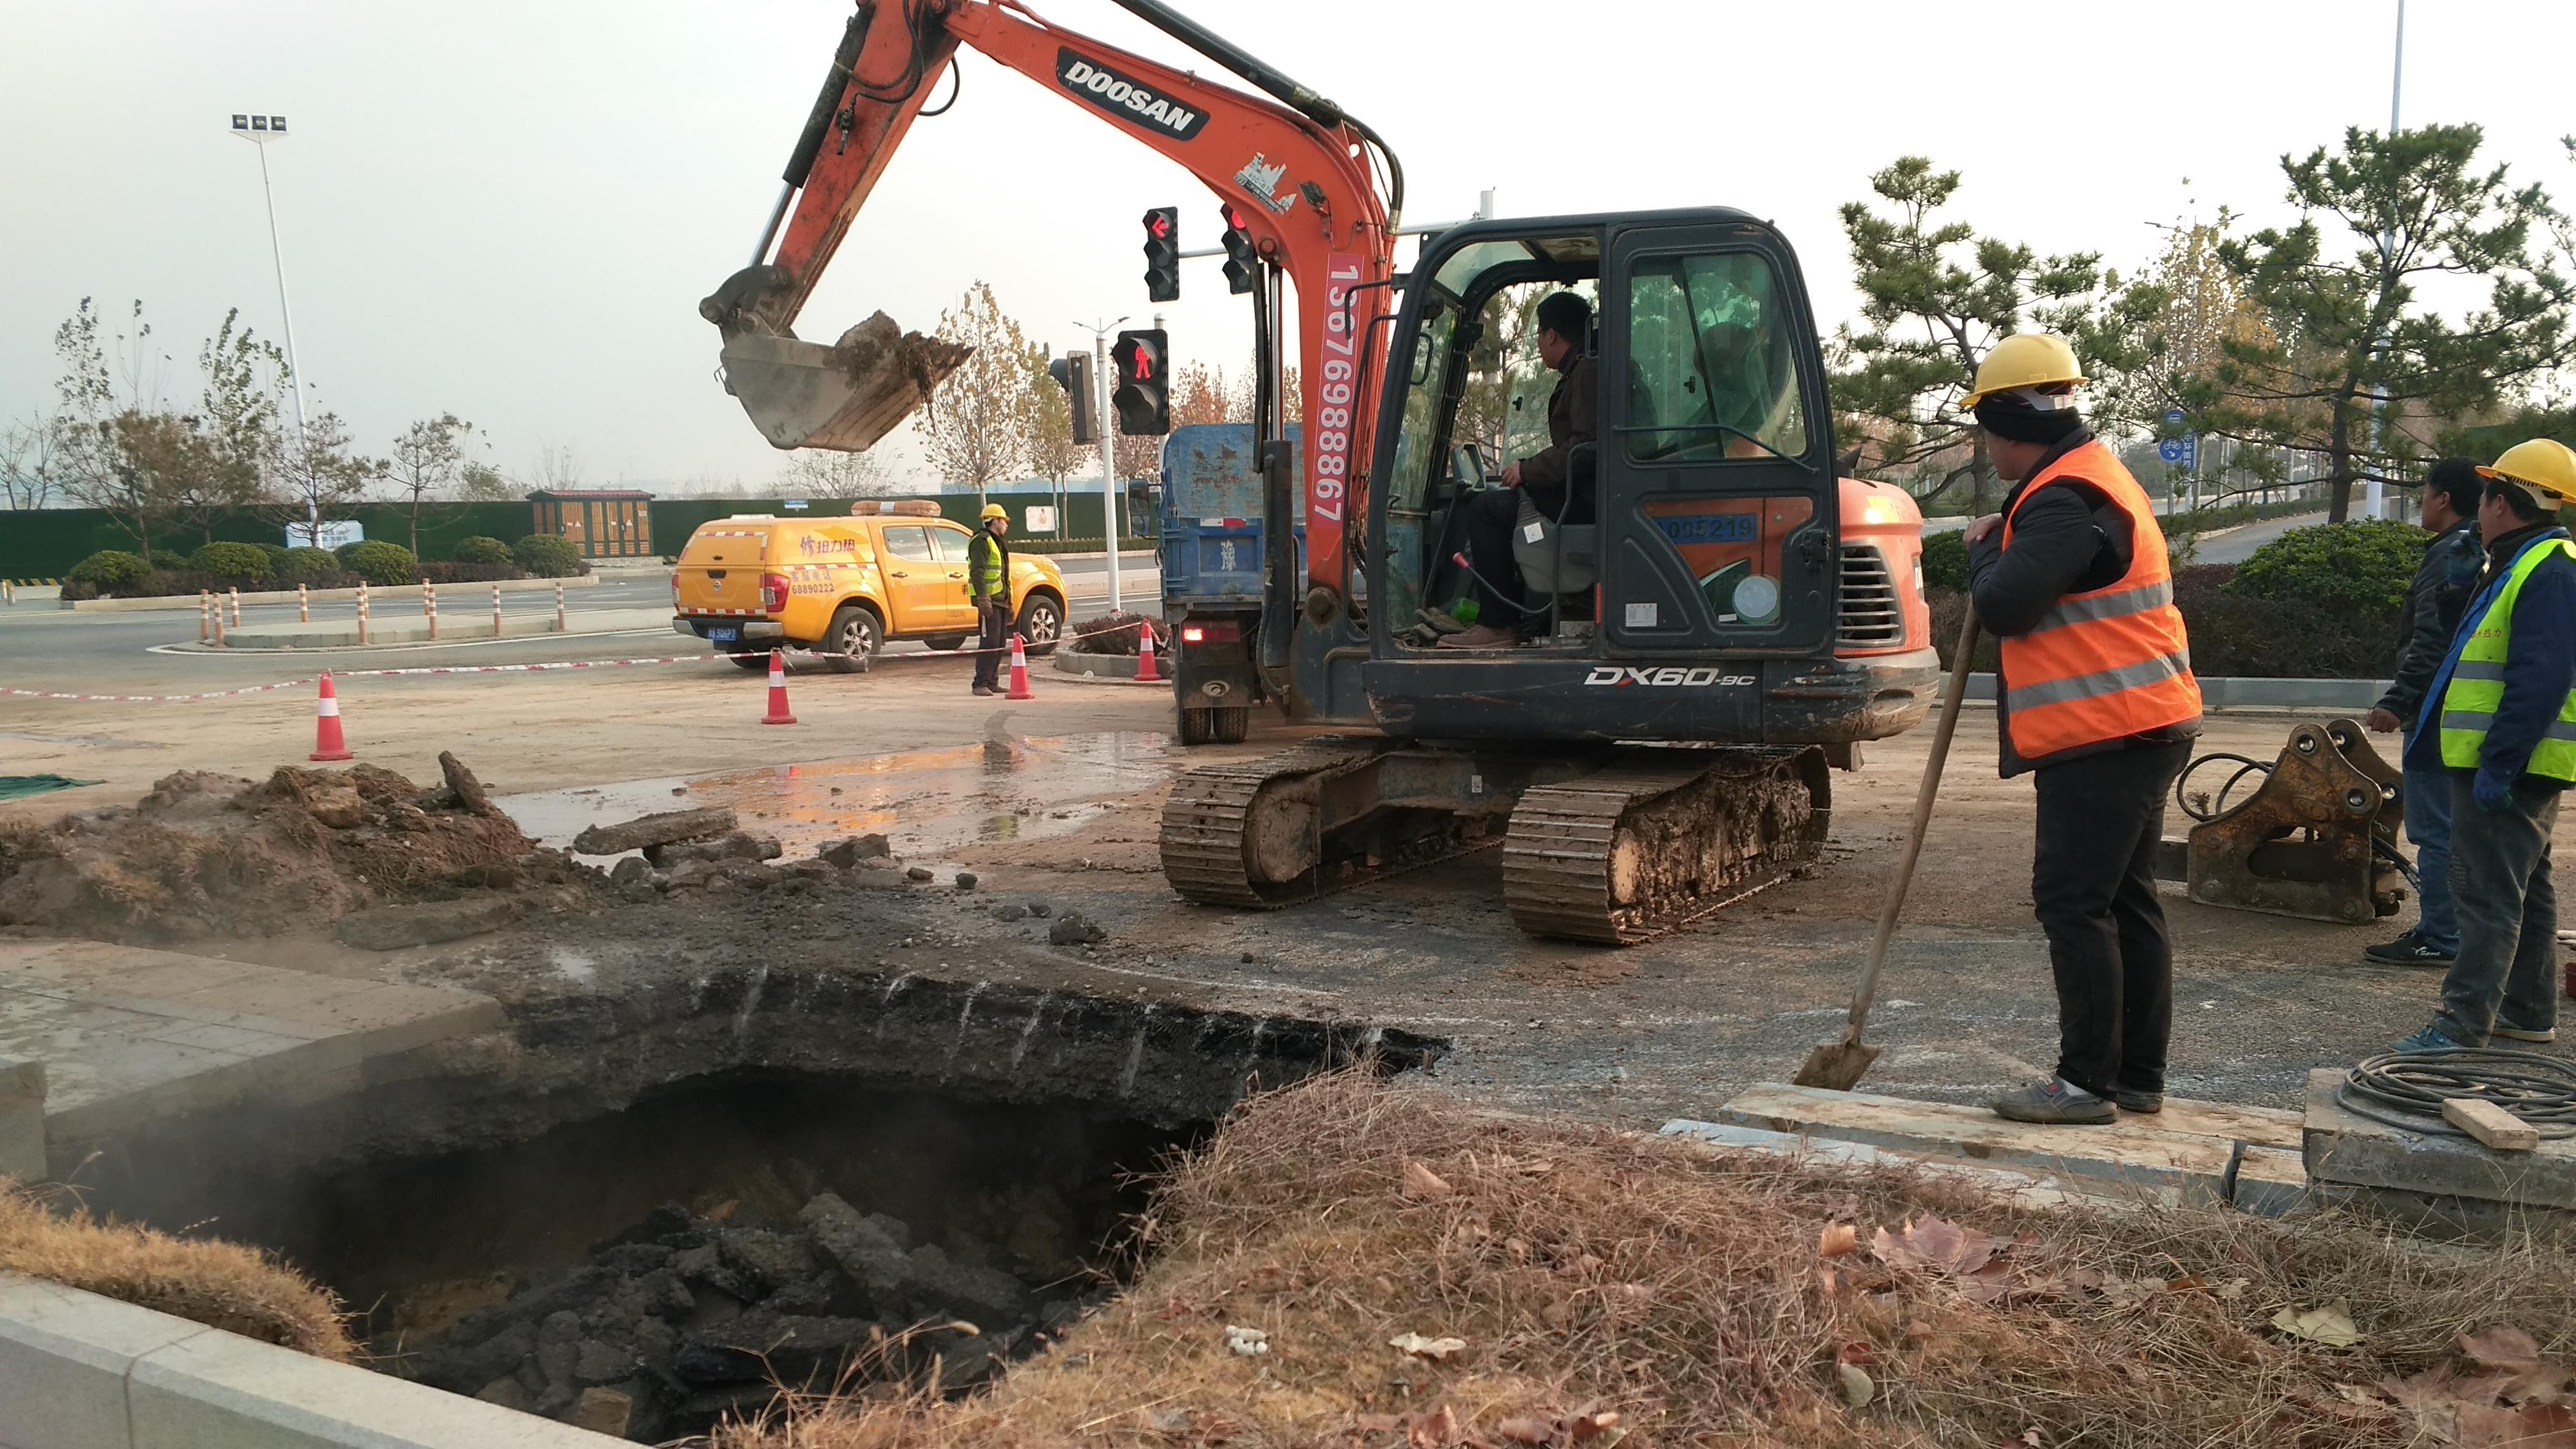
(2170, 450)
(2174, 416)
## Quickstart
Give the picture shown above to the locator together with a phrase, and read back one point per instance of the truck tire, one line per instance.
(1214, 726)
(945, 642)
(1040, 625)
(850, 644)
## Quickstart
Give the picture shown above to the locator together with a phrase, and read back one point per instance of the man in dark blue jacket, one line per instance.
(2500, 717)
(2434, 603)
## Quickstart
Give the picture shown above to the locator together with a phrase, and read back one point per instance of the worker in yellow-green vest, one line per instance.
(988, 583)
(2500, 717)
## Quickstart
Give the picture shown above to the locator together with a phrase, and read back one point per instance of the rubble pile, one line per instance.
(687, 851)
(684, 1321)
(217, 855)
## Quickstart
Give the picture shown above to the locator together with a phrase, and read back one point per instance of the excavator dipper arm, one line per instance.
(1301, 185)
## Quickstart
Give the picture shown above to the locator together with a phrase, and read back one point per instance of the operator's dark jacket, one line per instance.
(2434, 603)
(1573, 416)
(2071, 539)
(2539, 666)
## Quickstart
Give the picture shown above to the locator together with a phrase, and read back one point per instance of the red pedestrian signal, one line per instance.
(1142, 395)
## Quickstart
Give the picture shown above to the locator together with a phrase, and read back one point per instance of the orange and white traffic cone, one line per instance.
(1146, 673)
(778, 690)
(1019, 673)
(327, 741)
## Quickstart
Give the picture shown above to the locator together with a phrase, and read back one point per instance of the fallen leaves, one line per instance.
(1964, 1255)
(1858, 1387)
(1439, 1429)
(1421, 1183)
(2330, 1325)
(1838, 1240)
(1438, 1350)
(2513, 1401)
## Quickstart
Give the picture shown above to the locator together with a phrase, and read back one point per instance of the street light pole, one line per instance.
(1106, 422)
(260, 130)
(2377, 488)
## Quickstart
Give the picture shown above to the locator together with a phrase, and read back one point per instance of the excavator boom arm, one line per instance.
(1300, 185)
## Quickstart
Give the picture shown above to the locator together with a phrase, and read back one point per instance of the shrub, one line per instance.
(549, 556)
(108, 569)
(2235, 634)
(307, 566)
(451, 571)
(1117, 634)
(236, 563)
(1945, 559)
(482, 550)
(277, 553)
(380, 563)
(2360, 567)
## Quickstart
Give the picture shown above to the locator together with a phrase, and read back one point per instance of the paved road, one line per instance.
(2238, 546)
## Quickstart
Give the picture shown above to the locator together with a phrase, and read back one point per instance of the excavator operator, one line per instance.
(1544, 478)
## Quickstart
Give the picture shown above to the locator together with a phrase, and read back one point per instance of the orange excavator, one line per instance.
(1724, 616)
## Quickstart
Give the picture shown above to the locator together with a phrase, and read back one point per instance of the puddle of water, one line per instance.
(925, 802)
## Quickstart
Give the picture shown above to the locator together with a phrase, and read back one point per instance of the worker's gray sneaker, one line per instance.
(2523, 1033)
(2056, 1102)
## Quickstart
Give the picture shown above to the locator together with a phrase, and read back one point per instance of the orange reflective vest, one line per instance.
(2108, 663)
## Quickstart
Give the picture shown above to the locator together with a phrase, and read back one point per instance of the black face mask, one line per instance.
(2024, 424)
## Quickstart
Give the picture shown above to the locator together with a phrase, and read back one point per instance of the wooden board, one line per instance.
(2490, 1124)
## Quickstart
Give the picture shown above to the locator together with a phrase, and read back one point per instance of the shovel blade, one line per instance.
(1836, 1066)
(843, 397)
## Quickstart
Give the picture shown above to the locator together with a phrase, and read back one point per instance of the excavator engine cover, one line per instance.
(843, 397)
(2316, 840)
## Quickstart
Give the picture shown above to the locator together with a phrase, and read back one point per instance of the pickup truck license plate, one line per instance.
(724, 636)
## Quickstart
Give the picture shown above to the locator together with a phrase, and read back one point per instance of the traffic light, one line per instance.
(1163, 254)
(1072, 372)
(1242, 263)
(1142, 393)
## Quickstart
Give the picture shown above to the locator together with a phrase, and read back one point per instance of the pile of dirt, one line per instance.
(1119, 633)
(685, 1321)
(221, 1285)
(1364, 1265)
(217, 855)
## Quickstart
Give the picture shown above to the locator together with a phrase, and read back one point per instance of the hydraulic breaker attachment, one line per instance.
(2317, 839)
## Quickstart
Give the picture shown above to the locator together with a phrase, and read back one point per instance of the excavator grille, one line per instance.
(1873, 614)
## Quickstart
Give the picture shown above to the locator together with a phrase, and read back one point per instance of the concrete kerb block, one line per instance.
(22, 1119)
(221, 1391)
(64, 1359)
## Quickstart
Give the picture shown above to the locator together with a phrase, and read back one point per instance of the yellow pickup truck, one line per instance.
(842, 587)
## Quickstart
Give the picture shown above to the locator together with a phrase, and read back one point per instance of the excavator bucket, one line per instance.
(842, 397)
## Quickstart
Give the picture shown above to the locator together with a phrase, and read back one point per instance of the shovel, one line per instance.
(1838, 1065)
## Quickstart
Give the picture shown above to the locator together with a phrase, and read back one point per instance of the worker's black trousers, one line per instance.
(2093, 882)
(992, 640)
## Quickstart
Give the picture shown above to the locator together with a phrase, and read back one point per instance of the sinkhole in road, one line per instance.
(653, 1270)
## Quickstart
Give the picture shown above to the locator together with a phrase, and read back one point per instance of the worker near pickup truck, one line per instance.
(988, 583)
(2500, 719)
(2434, 602)
(2096, 701)
(1545, 477)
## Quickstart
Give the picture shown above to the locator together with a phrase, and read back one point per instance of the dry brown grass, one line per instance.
(221, 1285)
(1588, 1268)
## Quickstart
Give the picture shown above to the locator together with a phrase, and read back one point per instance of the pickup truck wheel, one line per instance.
(1041, 624)
(850, 643)
(1214, 726)
(750, 658)
(944, 642)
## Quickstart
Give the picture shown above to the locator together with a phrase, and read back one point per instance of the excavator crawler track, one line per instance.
(1232, 832)
(1655, 842)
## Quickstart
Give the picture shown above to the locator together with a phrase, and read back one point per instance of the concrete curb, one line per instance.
(86, 1372)
(455, 626)
(2355, 696)
(320, 596)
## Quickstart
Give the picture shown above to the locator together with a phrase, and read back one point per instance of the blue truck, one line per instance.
(1212, 543)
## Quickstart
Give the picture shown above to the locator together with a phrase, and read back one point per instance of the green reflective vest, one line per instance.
(2477, 682)
(984, 571)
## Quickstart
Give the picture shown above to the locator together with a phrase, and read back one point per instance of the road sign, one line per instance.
(2174, 416)
(2170, 450)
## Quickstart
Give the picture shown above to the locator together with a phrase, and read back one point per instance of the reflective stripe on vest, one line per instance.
(984, 579)
(2476, 690)
(2108, 663)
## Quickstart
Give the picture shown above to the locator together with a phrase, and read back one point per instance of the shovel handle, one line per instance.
(1952, 693)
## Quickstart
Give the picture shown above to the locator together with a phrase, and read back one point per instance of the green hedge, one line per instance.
(385, 565)
(241, 563)
(549, 556)
(2239, 635)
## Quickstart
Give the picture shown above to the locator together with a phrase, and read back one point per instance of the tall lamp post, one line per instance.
(260, 130)
(2376, 491)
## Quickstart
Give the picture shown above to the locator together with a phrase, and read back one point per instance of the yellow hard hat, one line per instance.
(2025, 359)
(993, 511)
(2545, 467)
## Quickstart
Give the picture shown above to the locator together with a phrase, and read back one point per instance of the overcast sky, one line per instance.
(509, 208)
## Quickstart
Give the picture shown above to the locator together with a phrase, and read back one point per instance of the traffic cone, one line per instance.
(1019, 672)
(1146, 673)
(778, 690)
(327, 741)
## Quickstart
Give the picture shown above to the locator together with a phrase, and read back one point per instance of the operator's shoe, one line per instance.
(2431, 1039)
(2056, 1102)
(1482, 636)
(2523, 1033)
(988, 689)
(1439, 621)
(2134, 1099)
(2408, 950)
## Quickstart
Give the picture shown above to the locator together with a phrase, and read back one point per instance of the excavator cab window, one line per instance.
(1710, 374)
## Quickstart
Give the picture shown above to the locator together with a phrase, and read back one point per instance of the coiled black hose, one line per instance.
(2407, 1091)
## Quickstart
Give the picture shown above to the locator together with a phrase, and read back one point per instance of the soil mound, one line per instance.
(207, 854)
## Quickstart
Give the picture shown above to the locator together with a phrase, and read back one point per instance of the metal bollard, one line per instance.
(429, 606)
(303, 604)
(235, 592)
(560, 626)
(362, 611)
(496, 611)
(205, 616)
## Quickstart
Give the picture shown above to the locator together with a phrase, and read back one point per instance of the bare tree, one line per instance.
(482, 483)
(976, 428)
(1052, 452)
(31, 463)
(823, 473)
(557, 468)
(319, 476)
(428, 459)
(122, 450)
(237, 423)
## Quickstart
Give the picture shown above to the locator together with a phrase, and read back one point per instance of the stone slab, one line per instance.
(2351, 1150)
(64, 1357)
(130, 1036)
(2200, 1151)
